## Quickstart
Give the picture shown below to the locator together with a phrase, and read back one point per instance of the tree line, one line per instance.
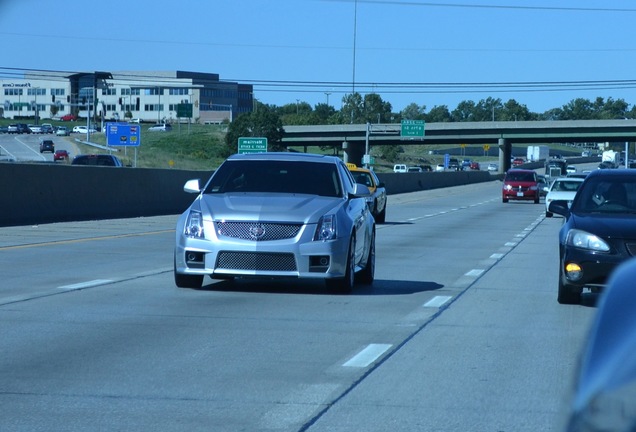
(269, 120)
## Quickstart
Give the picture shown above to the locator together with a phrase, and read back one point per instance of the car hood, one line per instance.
(267, 207)
(606, 225)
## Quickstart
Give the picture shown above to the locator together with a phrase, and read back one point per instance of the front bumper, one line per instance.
(299, 257)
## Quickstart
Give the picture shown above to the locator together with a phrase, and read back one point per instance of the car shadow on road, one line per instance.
(294, 286)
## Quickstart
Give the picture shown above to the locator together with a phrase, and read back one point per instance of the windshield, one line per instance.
(566, 185)
(276, 176)
(521, 176)
(607, 195)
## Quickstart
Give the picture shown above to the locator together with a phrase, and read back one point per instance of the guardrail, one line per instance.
(45, 193)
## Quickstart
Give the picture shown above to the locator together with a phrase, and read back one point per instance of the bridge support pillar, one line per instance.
(353, 152)
(505, 152)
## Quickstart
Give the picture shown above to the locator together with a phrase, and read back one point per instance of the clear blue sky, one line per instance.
(298, 50)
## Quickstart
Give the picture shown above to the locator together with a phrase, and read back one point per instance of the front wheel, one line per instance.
(367, 274)
(567, 295)
(345, 284)
(186, 281)
(381, 216)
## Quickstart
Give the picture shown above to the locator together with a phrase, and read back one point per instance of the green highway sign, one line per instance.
(412, 128)
(252, 145)
(184, 110)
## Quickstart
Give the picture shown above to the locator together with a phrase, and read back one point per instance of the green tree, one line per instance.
(439, 114)
(352, 110)
(413, 112)
(465, 111)
(263, 123)
(375, 109)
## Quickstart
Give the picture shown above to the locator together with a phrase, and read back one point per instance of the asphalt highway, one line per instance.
(461, 330)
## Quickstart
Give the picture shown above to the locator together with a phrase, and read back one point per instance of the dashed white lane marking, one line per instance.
(475, 272)
(437, 301)
(511, 244)
(88, 284)
(367, 356)
(497, 256)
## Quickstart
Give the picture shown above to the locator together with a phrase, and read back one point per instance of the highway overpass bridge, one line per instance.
(357, 139)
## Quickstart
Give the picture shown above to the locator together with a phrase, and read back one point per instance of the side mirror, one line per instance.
(559, 207)
(192, 186)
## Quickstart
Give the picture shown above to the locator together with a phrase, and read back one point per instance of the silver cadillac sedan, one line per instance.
(277, 215)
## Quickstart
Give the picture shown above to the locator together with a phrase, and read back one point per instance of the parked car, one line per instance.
(68, 117)
(61, 155)
(13, 129)
(163, 127)
(35, 129)
(62, 131)
(97, 160)
(563, 188)
(277, 215)
(598, 234)
(400, 168)
(602, 397)
(4, 129)
(520, 184)
(377, 200)
(47, 145)
(83, 129)
(414, 169)
(23, 128)
(47, 128)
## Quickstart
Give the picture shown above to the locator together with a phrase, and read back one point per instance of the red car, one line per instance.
(60, 155)
(518, 162)
(475, 166)
(68, 117)
(520, 184)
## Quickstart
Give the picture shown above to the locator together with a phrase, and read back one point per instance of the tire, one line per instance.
(367, 275)
(345, 284)
(186, 281)
(567, 295)
(504, 200)
(381, 216)
(548, 214)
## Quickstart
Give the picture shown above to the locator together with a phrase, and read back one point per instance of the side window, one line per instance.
(347, 177)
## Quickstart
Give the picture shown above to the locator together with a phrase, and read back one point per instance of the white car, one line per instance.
(493, 167)
(571, 169)
(400, 168)
(62, 131)
(562, 188)
(83, 129)
(160, 127)
(439, 167)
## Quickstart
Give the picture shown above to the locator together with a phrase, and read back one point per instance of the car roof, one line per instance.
(285, 156)
(618, 172)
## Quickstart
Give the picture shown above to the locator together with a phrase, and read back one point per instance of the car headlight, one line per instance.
(326, 229)
(585, 240)
(507, 187)
(194, 224)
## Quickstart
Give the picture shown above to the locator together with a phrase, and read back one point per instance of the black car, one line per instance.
(599, 232)
(47, 146)
(97, 160)
(23, 128)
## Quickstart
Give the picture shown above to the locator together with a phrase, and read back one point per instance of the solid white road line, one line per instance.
(367, 356)
(437, 301)
(88, 284)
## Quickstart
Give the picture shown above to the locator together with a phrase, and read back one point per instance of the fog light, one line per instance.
(573, 271)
